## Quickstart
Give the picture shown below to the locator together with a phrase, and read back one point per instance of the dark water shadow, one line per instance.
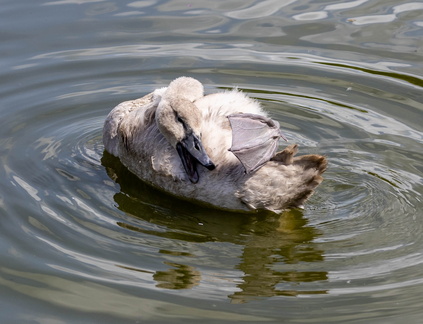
(273, 245)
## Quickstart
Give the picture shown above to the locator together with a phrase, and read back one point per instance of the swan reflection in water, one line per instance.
(277, 250)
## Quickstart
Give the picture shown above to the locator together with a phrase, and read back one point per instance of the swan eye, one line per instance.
(181, 121)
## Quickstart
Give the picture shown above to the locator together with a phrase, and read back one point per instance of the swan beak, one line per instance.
(191, 151)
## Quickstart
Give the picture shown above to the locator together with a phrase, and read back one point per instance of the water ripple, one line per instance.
(92, 220)
(83, 240)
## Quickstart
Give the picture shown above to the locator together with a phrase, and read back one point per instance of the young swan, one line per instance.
(179, 140)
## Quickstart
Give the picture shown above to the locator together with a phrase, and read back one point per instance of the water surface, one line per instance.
(82, 240)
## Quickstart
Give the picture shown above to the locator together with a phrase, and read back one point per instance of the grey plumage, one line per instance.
(179, 140)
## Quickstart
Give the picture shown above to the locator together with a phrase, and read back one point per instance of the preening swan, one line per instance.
(219, 149)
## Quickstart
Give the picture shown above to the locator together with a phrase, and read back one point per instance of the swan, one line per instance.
(182, 141)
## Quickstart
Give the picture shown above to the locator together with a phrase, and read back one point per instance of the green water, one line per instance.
(82, 241)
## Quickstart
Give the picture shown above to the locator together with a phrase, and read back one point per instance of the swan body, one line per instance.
(179, 140)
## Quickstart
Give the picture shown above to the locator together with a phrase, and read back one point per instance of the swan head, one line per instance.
(179, 120)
